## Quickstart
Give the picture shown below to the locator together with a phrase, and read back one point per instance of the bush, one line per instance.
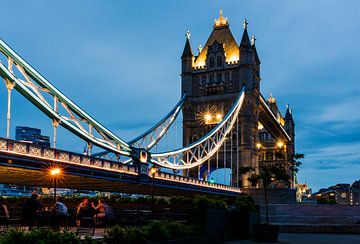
(161, 201)
(174, 200)
(245, 203)
(206, 202)
(114, 235)
(157, 231)
(154, 231)
(42, 236)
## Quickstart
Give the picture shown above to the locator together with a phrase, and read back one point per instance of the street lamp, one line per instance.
(152, 172)
(55, 173)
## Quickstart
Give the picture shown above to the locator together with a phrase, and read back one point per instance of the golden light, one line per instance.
(219, 117)
(55, 171)
(260, 126)
(143, 156)
(280, 144)
(233, 58)
(207, 117)
(153, 170)
(258, 145)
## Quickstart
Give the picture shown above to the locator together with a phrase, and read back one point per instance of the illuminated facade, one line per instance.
(212, 80)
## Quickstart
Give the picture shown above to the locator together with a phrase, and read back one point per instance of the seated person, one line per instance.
(84, 210)
(100, 211)
(31, 210)
(59, 210)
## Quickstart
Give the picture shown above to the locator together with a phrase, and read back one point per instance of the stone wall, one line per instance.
(275, 196)
(312, 214)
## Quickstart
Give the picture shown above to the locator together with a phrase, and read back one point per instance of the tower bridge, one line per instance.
(227, 123)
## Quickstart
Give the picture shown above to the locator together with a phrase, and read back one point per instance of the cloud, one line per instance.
(344, 111)
(333, 156)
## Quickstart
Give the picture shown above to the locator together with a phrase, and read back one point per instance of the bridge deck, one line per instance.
(26, 164)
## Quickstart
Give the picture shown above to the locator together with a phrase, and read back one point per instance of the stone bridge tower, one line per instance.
(212, 80)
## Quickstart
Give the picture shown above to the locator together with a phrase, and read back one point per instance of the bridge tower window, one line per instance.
(212, 62)
(219, 61)
(203, 79)
(227, 76)
(211, 78)
(219, 77)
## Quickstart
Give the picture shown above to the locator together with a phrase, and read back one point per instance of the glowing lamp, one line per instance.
(143, 156)
(260, 126)
(280, 144)
(219, 117)
(55, 171)
(153, 170)
(207, 117)
(258, 145)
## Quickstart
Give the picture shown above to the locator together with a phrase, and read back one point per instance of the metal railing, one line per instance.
(28, 149)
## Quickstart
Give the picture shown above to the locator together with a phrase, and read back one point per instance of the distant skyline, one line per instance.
(120, 61)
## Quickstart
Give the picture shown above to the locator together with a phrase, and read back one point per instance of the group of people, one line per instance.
(90, 211)
(32, 211)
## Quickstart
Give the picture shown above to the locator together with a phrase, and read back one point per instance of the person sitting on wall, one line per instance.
(31, 210)
(84, 211)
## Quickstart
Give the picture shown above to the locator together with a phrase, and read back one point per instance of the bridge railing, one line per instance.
(59, 156)
(195, 182)
(53, 155)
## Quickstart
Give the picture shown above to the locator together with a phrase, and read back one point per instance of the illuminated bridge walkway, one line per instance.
(27, 164)
(123, 166)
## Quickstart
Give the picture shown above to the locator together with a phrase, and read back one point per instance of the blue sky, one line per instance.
(120, 61)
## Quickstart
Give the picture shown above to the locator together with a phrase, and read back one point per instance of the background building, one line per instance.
(355, 193)
(24, 133)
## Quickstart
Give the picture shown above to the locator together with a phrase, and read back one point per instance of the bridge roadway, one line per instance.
(25, 163)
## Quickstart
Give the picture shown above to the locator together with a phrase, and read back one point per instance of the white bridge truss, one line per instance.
(18, 74)
(151, 137)
(203, 149)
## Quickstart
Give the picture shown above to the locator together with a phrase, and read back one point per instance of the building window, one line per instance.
(211, 78)
(203, 79)
(227, 76)
(219, 77)
(212, 62)
(219, 62)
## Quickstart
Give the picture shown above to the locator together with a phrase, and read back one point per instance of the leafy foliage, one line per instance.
(155, 231)
(245, 203)
(42, 236)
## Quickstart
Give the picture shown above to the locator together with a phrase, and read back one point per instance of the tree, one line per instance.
(275, 171)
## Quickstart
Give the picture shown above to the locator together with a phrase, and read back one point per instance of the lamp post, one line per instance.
(55, 173)
(153, 171)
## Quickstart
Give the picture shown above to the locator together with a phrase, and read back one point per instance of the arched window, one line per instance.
(219, 77)
(211, 78)
(203, 79)
(227, 76)
(195, 138)
(219, 61)
(212, 62)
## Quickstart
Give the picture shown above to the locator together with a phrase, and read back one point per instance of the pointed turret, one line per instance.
(257, 59)
(187, 49)
(222, 35)
(187, 55)
(289, 122)
(245, 48)
(245, 40)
